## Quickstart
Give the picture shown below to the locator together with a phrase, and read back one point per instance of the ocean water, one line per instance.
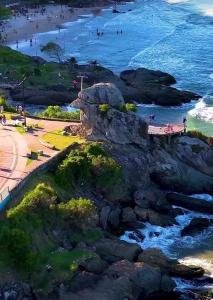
(175, 36)
(197, 250)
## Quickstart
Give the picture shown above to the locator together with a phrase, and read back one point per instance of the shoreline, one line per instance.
(22, 27)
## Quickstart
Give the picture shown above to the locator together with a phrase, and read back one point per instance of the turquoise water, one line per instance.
(173, 36)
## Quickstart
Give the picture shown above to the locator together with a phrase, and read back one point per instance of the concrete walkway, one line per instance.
(13, 157)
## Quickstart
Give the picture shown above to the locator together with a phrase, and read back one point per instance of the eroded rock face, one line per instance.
(113, 125)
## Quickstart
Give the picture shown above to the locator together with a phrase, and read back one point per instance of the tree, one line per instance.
(53, 50)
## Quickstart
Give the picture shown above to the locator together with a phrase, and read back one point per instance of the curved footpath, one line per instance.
(13, 157)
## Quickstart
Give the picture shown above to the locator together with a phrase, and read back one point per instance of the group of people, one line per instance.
(169, 127)
(101, 33)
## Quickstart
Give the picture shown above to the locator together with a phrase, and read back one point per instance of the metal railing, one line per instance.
(4, 197)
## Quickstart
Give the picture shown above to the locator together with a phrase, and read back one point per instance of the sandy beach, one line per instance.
(23, 27)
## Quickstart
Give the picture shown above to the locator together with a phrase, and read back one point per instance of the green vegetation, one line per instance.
(3, 102)
(53, 50)
(60, 141)
(56, 112)
(104, 108)
(130, 107)
(90, 163)
(76, 212)
(27, 242)
(4, 12)
(14, 65)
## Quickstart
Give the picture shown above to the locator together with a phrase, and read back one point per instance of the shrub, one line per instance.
(87, 161)
(3, 102)
(73, 168)
(16, 244)
(4, 12)
(37, 200)
(104, 108)
(94, 149)
(56, 112)
(107, 172)
(77, 211)
(130, 107)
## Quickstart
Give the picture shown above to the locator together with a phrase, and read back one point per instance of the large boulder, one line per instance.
(145, 278)
(156, 258)
(148, 86)
(113, 124)
(94, 265)
(191, 203)
(196, 226)
(171, 173)
(152, 198)
(153, 217)
(142, 75)
(115, 250)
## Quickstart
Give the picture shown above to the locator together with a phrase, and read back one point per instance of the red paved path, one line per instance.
(13, 157)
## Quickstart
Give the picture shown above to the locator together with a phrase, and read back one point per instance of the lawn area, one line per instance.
(60, 141)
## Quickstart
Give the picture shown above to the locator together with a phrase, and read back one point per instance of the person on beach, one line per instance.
(17, 44)
(3, 120)
(184, 124)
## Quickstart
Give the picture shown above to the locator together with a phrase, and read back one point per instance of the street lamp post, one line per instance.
(82, 80)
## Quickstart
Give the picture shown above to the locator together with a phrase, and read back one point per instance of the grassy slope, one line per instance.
(14, 65)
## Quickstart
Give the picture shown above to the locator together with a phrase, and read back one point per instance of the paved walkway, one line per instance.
(14, 148)
(13, 157)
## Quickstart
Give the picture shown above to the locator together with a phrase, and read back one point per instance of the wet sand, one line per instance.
(21, 27)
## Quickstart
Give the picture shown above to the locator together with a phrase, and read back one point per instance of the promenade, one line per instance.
(16, 147)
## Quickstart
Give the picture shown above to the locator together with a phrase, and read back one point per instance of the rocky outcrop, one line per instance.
(191, 203)
(196, 226)
(153, 217)
(142, 75)
(113, 124)
(170, 172)
(156, 258)
(140, 85)
(52, 96)
(115, 250)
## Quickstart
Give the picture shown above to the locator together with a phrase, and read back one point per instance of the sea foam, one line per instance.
(202, 112)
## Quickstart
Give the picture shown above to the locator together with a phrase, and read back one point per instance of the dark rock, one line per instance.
(156, 258)
(145, 279)
(113, 289)
(196, 226)
(153, 199)
(137, 236)
(104, 215)
(83, 280)
(114, 125)
(128, 215)
(187, 272)
(142, 75)
(191, 203)
(115, 250)
(94, 265)
(114, 217)
(153, 217)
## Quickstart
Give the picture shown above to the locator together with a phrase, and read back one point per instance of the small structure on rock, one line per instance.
(113, 123)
